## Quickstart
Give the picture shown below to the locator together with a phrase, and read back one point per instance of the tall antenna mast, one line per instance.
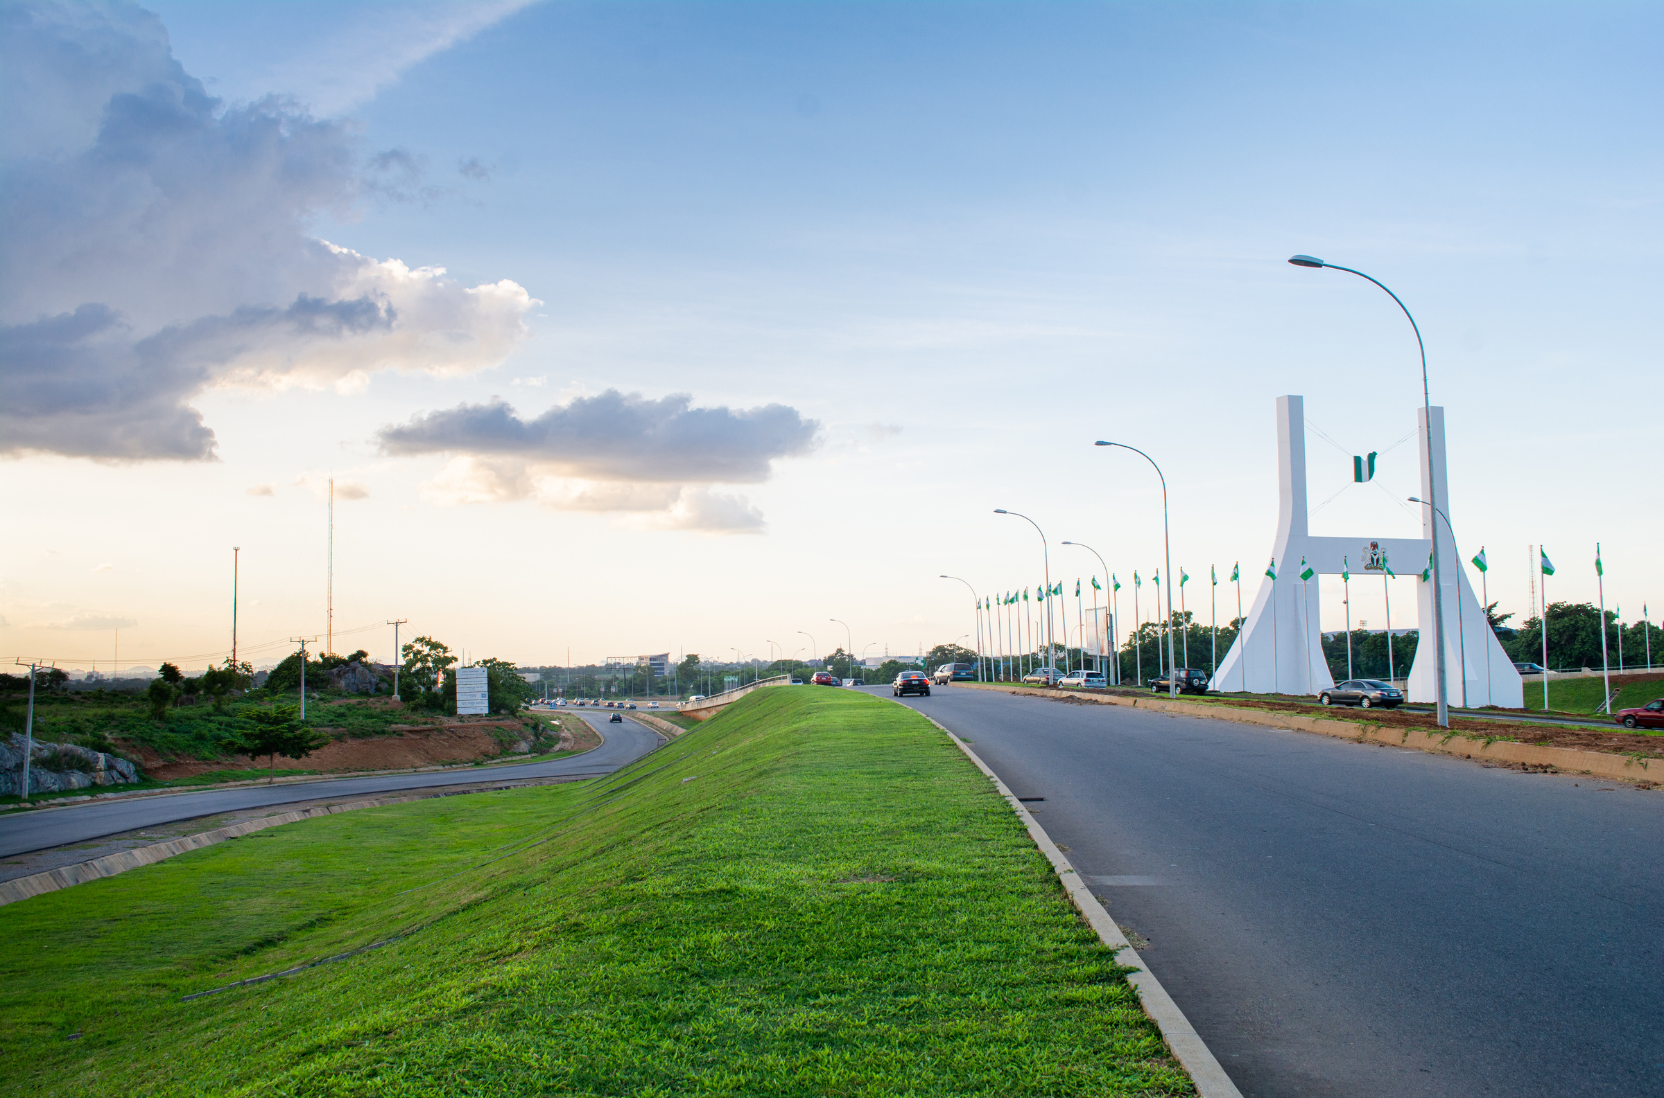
(329, 588)
(235, 549)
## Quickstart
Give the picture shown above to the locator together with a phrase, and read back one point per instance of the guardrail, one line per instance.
(705, 708)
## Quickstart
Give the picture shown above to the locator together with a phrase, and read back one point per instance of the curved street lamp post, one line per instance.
(1115, 661)
(977, 601)
(1432, 482)
(1461, 627)
(849, 646)
(1167, 551)
(1045, 550)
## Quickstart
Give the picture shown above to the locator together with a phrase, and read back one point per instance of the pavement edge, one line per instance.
(1182, 1039)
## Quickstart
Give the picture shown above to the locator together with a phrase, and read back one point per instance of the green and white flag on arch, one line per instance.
(1345, 571)
(1548, 565)
(1236, 572)
(1306, 570)
(1427, 572)
(1271, 570)
(1387, 568)
(1479, 561)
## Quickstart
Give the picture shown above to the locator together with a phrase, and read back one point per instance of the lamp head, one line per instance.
(1001, 511)
(1102, 443)
(1066, 543)
(1306, 261)
(1413, 499)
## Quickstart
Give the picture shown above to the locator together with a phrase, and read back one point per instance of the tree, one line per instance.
(286, 675)
(277, 731)
(160, 695)
(505, 688)
(219, 682)
(170, 674)
(425, 663)
(948, 653)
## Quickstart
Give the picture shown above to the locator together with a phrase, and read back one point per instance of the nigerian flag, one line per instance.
(1236, 572)
(1158, 577)
(1548, 565)
(1599, 571)
(1025, 594)
(1213, 574)
(1077, 587)
(1387, 567)
(1114, 581)
(1345, 571)
(1058, 588)
(1306, 570)
(1183, 576)
(1427, 572)
(1479, 561)
(1271, 570)
(1095, 586)
(1136, 582)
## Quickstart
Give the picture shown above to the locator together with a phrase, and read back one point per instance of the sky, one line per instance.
(710, 327)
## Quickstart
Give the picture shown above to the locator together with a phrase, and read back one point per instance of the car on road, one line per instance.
(910, 682)
(955, 672)
(1365, 692)
(1089, 679)
(616, 718)
(1650, 715)
(1045, 676)
(797, 682)
(1528, 668)
(697, 698)
(824, 678)
(1191, 681)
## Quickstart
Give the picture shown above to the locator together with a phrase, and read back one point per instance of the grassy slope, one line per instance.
(813, 893)
(1583, 696)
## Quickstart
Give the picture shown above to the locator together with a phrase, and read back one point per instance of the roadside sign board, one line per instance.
(472, 692)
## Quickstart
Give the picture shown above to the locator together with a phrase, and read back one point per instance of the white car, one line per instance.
(1090, 679)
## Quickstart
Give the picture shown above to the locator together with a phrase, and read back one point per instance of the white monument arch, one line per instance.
(1280, 647)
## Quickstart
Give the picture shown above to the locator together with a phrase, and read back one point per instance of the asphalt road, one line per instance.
(1343, 919)
(38, 829)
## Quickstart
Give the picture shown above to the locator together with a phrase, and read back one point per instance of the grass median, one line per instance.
(812, 893)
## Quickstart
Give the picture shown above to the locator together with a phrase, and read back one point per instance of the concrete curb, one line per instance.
(1182, 1039)
(1464, 745)
(67, 876)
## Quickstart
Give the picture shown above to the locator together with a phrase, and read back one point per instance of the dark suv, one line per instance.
(955, 672)
(1191, 681)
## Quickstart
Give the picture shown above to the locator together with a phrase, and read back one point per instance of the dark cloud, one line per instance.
(155, 245)
(615, 436)
(476, 169)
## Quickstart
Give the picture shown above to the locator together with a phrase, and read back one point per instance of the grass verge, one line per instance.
(1582, 696)
(813, 893)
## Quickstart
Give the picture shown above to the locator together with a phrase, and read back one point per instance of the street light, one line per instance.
(978, 602)
(1432, 481)
(1167, 550)
(848, 645)
(813, 647)
(1461, 626)
(1115, 663)
(776, 644)
(1046, 552)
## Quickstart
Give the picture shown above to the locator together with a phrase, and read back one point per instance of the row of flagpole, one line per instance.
(1008, 631)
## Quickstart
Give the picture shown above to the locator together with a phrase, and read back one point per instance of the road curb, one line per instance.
(1182, 1039)
(1463, 745)
(67, 876)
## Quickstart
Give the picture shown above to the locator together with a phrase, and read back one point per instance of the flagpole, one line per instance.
(1276, 656)
(1115, 632)
(1137, 636)
(1386, 595)
(1543, 595)
(1605, 667)
(1242, 660)
(1184, 616)
(1485, 597)
(1213, 615)
(1346, 601)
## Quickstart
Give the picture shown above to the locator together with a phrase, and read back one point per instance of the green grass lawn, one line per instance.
(813, 893)
(1583, 696)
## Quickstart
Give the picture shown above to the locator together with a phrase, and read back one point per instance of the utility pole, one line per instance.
(235, 549)
(28, 731)
(329, 586)
(302, 642)
(397, 662)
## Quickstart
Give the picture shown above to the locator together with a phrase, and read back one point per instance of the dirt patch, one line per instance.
(421, 745)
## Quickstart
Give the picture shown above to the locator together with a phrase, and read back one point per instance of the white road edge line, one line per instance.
(1186, 1044)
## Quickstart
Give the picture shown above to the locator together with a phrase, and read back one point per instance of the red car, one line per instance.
(824, 678)
(1650, 715)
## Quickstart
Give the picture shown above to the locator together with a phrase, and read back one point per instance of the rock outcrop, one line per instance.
(54, 767)
(357, 678)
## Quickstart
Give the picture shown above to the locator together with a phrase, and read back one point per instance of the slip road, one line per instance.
(38, 829)
(1340, 919)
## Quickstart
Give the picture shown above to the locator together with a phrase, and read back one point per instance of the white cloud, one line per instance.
(345, 487)
(263, 490)
(155, 249)
(105, 567)
(90, 621)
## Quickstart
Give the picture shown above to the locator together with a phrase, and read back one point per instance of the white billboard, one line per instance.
(472, 690)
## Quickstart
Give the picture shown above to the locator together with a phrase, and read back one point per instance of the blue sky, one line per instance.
(965, 240)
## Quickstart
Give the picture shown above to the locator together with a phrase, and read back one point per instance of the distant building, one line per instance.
(532, 676)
